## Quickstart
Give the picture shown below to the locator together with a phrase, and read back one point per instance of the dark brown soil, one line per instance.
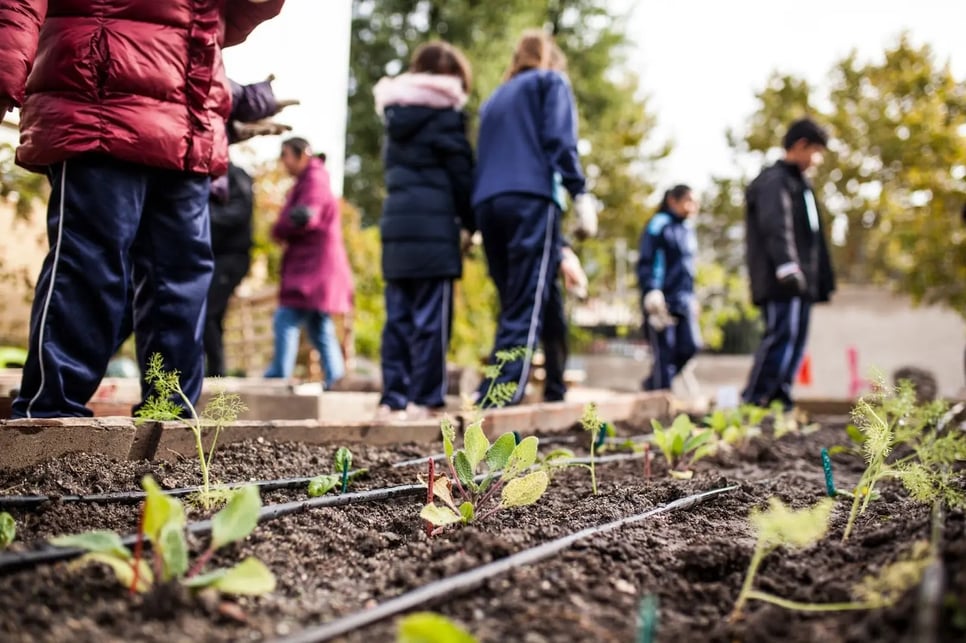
(333, 562)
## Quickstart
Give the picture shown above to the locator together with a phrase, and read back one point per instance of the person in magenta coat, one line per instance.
(316, 277)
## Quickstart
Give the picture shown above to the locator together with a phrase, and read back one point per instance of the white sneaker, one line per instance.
(385, 413)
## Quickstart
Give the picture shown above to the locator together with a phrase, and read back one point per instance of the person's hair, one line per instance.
(558, 59)
(534, 50)
(807, 129)
(441, 58)
(677, 193)
(298, 145)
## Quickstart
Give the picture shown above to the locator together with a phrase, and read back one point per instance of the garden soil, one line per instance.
(335, 561)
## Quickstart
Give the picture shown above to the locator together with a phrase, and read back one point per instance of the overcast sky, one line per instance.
(700, 60)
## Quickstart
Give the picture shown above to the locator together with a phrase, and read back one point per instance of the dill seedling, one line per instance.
(168, 401)
(592, 423)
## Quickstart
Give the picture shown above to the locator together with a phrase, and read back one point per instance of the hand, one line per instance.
(575, 280)
(281, 104)
(656, 311)
(300, 215)
(467, 240)
(265, 127)
(586, 206)
(792, 280)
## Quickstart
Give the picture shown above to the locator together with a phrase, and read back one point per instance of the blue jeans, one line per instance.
(288, 323)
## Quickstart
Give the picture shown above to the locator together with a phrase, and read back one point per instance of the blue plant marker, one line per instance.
(647, 619)
(516, 437)
(345, 479)
(602, 434)
(829, 478)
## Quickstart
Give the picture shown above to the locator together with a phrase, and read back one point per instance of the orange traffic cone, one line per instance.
(805, 371)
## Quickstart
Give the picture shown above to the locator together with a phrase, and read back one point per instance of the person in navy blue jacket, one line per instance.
(665, 273)
(429, 178)
(528, 133)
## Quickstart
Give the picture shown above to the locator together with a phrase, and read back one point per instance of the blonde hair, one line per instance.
(534, 50)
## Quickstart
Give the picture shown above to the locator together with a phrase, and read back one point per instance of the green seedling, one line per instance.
(738, 426)
(500, 394)
(8, 529)
(891, 421)
(592, 424)
(556, 461)
(163, 523)
(429, 627)
(683, 444)
(505, 463)
(167, 403)
(342, 478)
(781, 526)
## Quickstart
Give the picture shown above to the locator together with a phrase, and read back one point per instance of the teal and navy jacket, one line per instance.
(667, 261)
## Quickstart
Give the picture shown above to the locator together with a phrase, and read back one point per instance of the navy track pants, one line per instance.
(415, 341)
(554, 340)
(521, 237)
(112, 224)
(671, 348)
(780, 354)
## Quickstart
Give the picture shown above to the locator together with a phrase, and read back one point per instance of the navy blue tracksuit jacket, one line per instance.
(667, 263)
(528, 133)
(429, 175)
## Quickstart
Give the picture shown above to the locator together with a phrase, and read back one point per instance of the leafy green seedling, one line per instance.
(167, 403)
(683, 444)
(429, 627)
(592, 424)
(342, 478)
(781, 526)
(8, 529)
(505, 464)
(163, 524)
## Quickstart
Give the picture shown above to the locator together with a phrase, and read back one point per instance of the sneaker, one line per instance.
(386, 413)
(415, 412)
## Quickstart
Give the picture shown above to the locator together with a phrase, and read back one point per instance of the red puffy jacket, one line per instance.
(139, 80)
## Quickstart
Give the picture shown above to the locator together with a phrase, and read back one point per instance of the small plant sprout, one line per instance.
(781, 526)
(167, 403)
(506, 464)
(429, 627)
(500, 394)
(162, 523)
(556, 461)
(341, 479)
(683, 444)
(8, 529)
(592, 424)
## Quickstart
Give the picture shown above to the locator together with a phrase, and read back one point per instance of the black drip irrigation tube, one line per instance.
(14, 561)
(465, 581)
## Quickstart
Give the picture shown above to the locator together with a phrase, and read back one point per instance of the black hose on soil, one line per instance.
(453, 585)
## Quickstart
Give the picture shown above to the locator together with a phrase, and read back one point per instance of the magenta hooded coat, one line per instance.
(315, 268)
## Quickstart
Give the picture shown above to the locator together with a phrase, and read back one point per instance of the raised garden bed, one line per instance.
(336, 561)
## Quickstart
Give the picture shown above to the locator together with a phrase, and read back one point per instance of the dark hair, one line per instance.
(443, 59)
(806, 129)
(298, 145)
(677, 193)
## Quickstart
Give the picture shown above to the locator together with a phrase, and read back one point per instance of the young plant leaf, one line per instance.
(343, 460)
(696, 440)
(524, 491)
(159, 510)
(123, 569)
(95, 542)
(440, 516)
(427, 627)
(782, 526)
(681, 475)
(500, 452)
(321, 485)
(443, 489)
(475, 444)
(237, 519)
(448, 429)
(173, 550)
(248, 578)
(468, 512)
(522, 458)
(8, 530)
(464, 470)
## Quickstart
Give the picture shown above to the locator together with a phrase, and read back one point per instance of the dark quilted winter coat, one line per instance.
(138, 80)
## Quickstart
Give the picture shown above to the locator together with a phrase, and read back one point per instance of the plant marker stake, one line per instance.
(647, 619)
(429, 494)
(601, 434)
(138, 550)
(647, 461)
(345, 479)
(829, 479)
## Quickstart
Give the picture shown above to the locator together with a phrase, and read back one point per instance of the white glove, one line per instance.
(586, 207)
(573, 273)
(655, 307)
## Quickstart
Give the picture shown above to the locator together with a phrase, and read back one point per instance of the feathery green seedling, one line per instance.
(556, 461)
(167, 403)
(781, 526)
(8, 529)
(342, 478)
(429, 627)
(163, 524)
(592, 424)
(683, 444)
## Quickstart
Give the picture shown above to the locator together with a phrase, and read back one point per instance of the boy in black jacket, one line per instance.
(788, 262)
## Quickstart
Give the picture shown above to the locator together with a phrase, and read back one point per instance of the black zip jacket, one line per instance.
(779, 234)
